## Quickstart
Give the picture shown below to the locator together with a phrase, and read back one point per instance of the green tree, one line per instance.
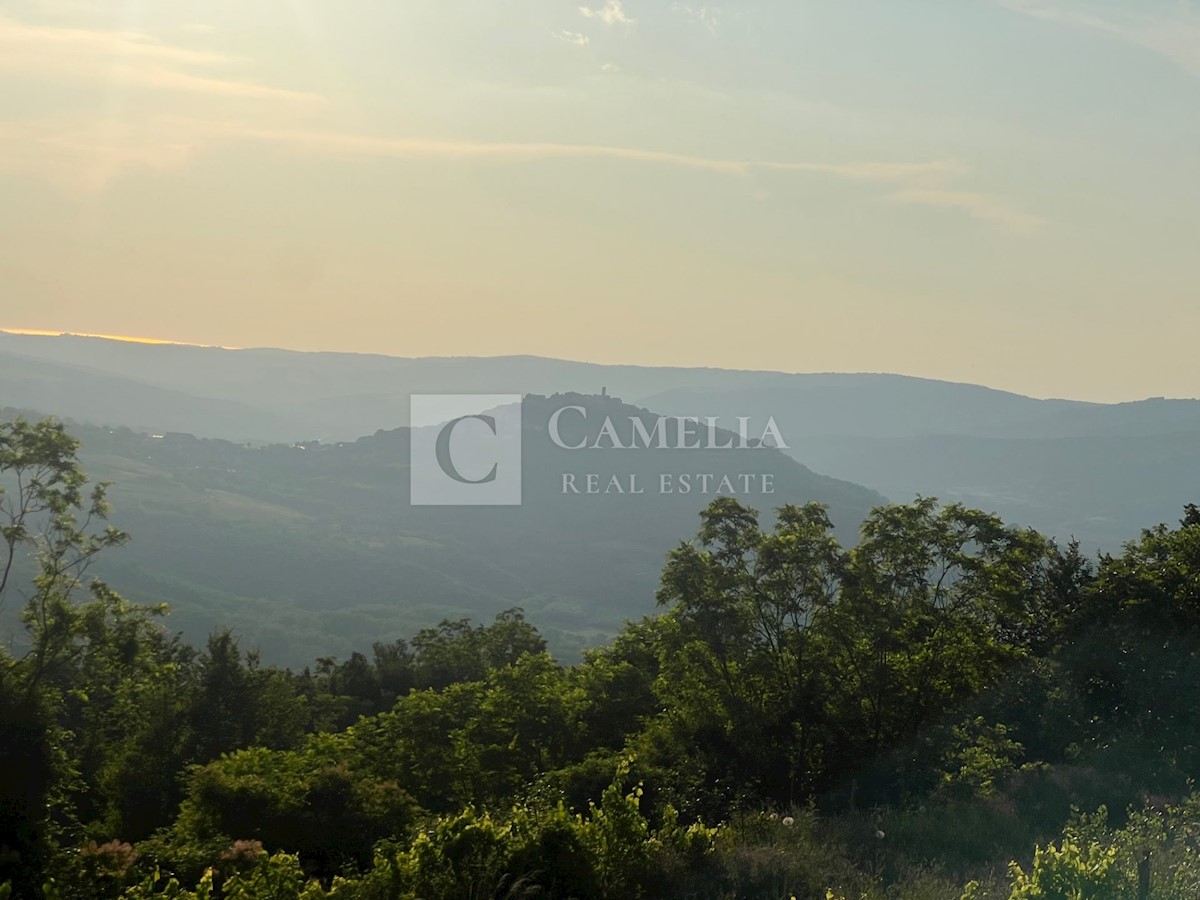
(747, 675)
(455, 651)
(936, 603)
(52, 528)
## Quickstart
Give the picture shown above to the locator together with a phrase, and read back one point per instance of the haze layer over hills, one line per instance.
(1099, 472)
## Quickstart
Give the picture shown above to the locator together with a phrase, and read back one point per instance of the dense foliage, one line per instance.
(951, 708)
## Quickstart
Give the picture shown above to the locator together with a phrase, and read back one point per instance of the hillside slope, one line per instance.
(315, 549)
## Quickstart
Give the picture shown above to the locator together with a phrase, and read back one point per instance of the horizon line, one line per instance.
(150, 341)
(125, 338)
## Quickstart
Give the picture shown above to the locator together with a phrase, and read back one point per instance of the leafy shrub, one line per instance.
(302, 801)
(1071, 872)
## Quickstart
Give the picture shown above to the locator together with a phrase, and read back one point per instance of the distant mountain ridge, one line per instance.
(900, 435)
(339, 396)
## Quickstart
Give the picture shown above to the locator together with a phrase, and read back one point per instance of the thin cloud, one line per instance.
(348, 146)
(915, 182)
(982, 207)
(65, 8)
(86, 157)
(707, 16)
(168, 80)
(574, 37)
(129, 58)
(21, 40)
(872, 171)
(611, 13)
(1172, 31)
(353, 146)
(1058, 14)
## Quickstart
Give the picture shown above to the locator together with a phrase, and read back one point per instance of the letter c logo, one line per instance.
(447, 462)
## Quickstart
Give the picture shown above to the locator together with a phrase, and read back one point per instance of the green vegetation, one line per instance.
(953, 708)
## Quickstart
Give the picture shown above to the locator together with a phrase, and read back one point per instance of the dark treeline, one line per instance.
(905, 718)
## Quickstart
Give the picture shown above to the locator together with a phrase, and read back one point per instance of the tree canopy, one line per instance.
(903, 717)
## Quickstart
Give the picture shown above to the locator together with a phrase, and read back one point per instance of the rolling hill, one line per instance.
(315, 549)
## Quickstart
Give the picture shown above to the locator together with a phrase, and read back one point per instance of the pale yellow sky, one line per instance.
(997, 191)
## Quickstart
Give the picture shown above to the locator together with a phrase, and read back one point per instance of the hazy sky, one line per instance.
(1000, 191)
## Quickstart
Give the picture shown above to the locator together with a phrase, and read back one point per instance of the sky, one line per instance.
(1004, 192)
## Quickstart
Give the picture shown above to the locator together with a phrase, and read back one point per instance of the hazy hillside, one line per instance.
(102, 398)
(1097, 471)
(316, 550)
(301, 396)
(867, 404)
(1102, 490)
(339, 396)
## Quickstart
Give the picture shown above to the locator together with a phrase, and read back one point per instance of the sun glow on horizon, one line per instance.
(41, 332)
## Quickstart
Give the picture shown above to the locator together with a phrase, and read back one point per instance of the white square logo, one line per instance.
(465, 450)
